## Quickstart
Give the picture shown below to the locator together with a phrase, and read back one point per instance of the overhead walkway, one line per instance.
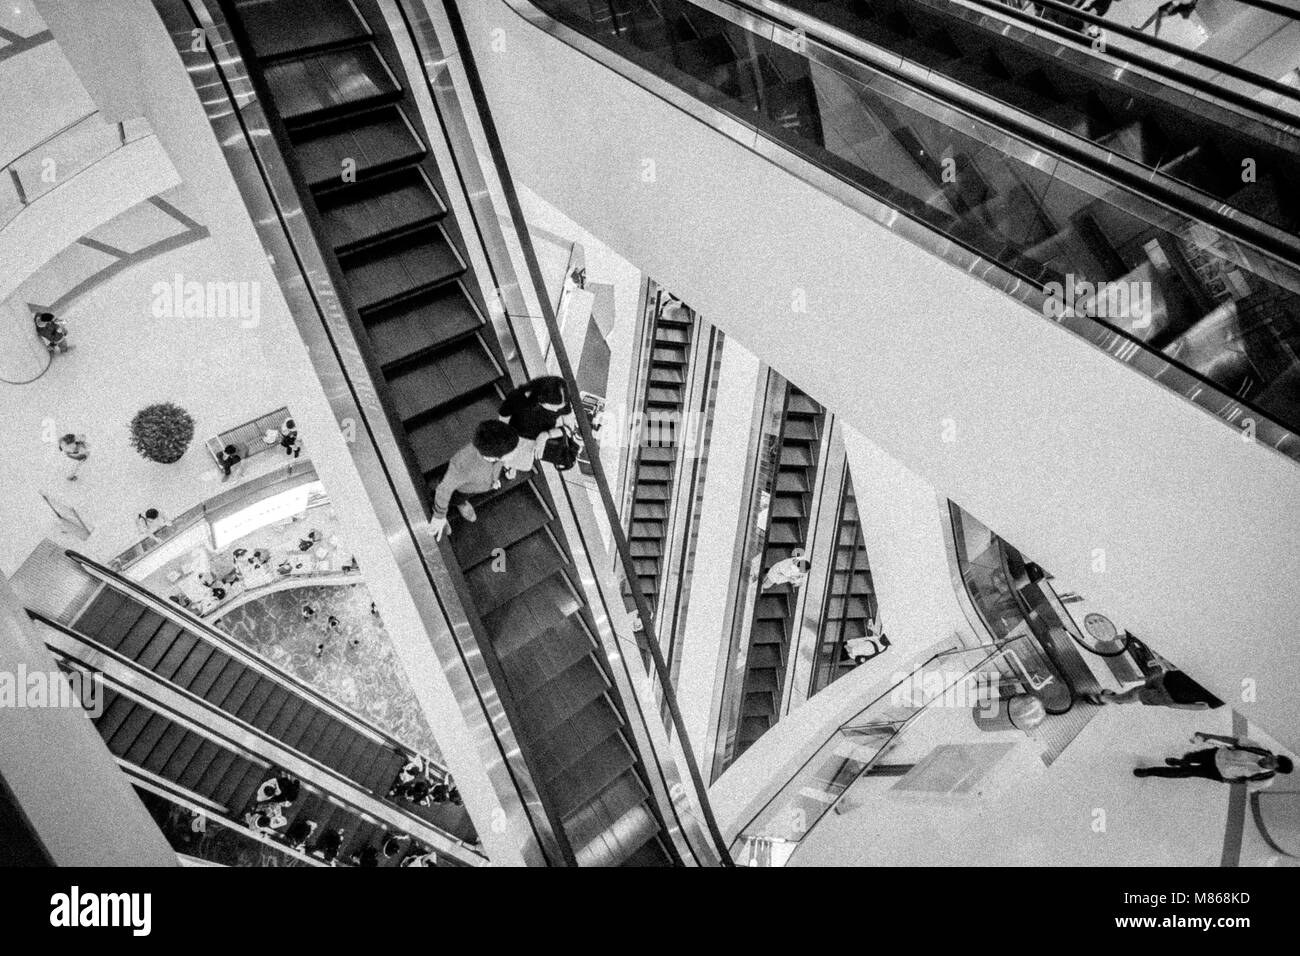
(351, 150)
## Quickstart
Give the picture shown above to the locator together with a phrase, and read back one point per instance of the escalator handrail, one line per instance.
(1156, 366)
(1164, 46)
(1147, 183)
(228, 646)
(584, 424)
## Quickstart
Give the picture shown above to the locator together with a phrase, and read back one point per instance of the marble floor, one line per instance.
(355, 667)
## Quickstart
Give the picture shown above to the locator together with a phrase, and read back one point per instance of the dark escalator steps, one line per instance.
(436, 318)
(585, 779)
(435, 440)
(527, 562)
(321, 85)
(400, 268)
(381, 142)
(498, 519)
(423, 386)
(561, 698)
(379, 207)
(276, 28)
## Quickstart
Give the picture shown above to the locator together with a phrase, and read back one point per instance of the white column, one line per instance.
(68, 785)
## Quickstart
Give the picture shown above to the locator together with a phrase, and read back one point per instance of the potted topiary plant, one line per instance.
(162, 432)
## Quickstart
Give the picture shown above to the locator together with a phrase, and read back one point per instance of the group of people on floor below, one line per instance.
(533, 424)
(231, 457)
(221, 575)
(420, 784)
(269, 816)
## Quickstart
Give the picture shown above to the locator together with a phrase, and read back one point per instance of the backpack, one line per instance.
(562, 452)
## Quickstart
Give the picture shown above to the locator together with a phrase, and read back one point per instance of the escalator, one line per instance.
(788, 526)
(161, 748)
(663, 407)
(187, 655)
(351, 134)
(1205, 147)
(1076, 186)
(850, 597)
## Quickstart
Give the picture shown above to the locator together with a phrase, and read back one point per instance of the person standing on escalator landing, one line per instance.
(496, 451)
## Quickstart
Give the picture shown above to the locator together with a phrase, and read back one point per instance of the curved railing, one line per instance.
(772, 835)
(60, 157)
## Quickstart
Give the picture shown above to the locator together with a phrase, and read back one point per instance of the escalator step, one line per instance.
(278, 26)
(440, 316)
(400, 268)
(535, 663)
(548, 604)
(168, 745)
(245, 788)
(320, 84)
(435, 440)
(383, 142)
(566, 743)
(560, 699)
(527, 562)
(442, 378)
(146, 739)
(499, 519)
(181, 650)
(221, 778)
(181, 757)
(129, 729)
(268, 715)
(134, 639)
(622, 795)
(302, 722)
(154, 652)
(621, 839)
(204, 754)
(114, 713)
(94, 620)
(599, 767)
(262, 691)
(209, 673)
(279, 725)
(231, 702)
(394, 203)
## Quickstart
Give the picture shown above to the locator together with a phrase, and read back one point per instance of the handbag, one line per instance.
(562, 451)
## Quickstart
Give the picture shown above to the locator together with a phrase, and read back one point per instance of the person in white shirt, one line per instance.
(1228, 760)
(792, 571)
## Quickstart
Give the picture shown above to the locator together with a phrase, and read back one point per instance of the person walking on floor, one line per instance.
(52, 333)
(1228, 760)
(76, 449)
(497, 451)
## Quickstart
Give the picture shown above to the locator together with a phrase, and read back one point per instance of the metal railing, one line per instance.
(59, 157)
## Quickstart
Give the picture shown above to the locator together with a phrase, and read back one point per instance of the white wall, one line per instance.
(1061, 450)
(704, 642)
